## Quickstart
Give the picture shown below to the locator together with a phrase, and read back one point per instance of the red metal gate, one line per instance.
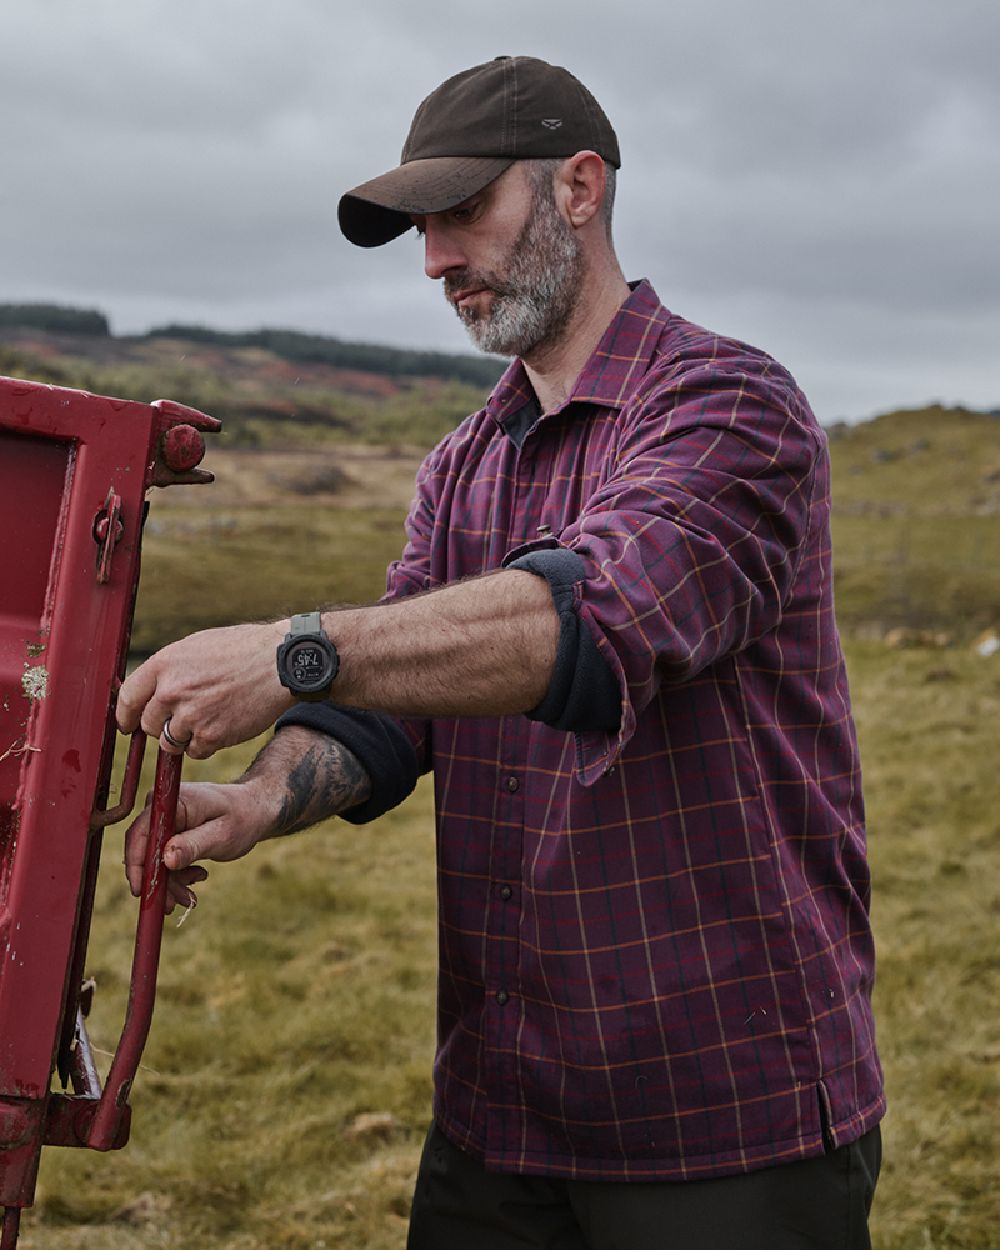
(74, 471)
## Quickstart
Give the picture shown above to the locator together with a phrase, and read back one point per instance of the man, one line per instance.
(611, 636)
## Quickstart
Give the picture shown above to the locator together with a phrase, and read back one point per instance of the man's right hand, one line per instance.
(302, 776)
(217, 822)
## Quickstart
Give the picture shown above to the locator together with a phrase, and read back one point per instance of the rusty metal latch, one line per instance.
(108, 529)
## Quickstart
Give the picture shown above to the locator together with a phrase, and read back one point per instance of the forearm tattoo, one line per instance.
(326, 780)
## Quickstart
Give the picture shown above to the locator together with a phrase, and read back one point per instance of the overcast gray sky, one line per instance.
(821, 179)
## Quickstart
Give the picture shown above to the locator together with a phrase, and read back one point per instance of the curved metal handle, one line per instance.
(130, 786)
(146, 957)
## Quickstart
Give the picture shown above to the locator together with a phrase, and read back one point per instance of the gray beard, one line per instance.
(535, 292)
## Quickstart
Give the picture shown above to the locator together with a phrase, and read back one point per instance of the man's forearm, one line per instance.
(313, 777)
(485, 647)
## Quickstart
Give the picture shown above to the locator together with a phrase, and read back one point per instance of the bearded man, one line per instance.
(611, 637)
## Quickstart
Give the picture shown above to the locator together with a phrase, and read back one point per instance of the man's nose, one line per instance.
(441, 251)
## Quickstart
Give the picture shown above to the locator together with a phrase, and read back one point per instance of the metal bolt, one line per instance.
(182, 448)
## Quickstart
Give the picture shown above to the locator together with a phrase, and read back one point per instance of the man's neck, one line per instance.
(553, 368)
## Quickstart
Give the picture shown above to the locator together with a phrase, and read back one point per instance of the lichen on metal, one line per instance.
(35, 681)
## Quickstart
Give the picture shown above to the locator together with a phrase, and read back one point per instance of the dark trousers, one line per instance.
(812, 1204)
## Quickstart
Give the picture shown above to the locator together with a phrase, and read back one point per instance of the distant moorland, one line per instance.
(269, 387)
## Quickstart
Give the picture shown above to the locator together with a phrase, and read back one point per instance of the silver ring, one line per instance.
(178, 746)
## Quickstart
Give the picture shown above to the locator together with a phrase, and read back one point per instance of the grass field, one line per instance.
(285, 1089)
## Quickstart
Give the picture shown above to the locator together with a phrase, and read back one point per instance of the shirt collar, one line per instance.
(614, 368)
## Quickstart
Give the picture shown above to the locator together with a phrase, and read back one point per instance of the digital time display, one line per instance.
(309, 664)
(307, 659)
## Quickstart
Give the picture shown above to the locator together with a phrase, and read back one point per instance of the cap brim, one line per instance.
(379, 210)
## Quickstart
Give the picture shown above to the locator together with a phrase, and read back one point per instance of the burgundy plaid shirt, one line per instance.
(655, 955)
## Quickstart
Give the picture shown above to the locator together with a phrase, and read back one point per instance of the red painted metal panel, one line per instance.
(52, 668)
(74, 470)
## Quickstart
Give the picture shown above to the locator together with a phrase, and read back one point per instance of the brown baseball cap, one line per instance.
(467, 132)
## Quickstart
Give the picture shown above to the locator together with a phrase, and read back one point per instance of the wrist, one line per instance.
(260, 807)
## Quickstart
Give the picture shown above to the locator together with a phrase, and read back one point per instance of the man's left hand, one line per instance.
(210, 690)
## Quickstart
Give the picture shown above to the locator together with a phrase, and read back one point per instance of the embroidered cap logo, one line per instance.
(551, 123)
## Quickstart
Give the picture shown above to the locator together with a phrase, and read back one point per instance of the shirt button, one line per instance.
(505, 892)
(502, 997)
(513, 785)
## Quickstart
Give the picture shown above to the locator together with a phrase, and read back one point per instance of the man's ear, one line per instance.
(579, 187)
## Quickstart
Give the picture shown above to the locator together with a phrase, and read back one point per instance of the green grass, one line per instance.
(917, 522)
(927, 722)
(917, 572)
(251, 564)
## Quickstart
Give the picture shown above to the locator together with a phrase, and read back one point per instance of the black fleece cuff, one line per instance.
(583, 693)
(378, 742)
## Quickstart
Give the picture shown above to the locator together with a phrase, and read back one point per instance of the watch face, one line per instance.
(308, 664)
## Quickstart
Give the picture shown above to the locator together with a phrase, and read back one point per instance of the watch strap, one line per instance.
(306, 623)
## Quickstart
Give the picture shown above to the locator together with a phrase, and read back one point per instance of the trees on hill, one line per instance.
(294, 345)
(58, 318)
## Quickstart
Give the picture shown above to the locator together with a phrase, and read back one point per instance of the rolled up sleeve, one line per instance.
(380, 743)
(691, 545)
(583, 692)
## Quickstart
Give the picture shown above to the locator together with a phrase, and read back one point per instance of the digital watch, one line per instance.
(307, 659)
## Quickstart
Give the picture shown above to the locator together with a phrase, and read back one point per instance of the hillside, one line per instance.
(269, 387)
(916, 497)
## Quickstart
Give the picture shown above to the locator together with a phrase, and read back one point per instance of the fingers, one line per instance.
(178, 854)
(137, 837)
(135, 849)
(213, 822)
(140, 707)
(202, 842)
(187, 877)
(142, 703)
(203, 748)
(179, 888)
(137, 690)
(174, 738)
(218, 687)
(179, 881)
